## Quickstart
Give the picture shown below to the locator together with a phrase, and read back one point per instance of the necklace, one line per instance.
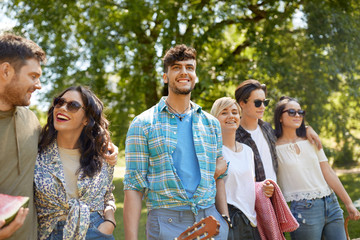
(176, 113)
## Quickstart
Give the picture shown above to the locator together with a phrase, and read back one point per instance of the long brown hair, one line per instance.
(94, 137)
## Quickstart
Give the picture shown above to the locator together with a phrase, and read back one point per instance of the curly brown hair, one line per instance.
(178, 53)
(94, 137)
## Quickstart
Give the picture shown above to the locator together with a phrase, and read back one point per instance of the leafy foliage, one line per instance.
(115, 46)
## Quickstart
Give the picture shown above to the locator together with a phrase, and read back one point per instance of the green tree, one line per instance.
(115, 46)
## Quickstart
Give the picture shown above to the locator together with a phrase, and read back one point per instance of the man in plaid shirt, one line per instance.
(171, 151)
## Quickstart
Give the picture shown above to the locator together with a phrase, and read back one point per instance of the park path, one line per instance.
(119, 172)
(346, 171)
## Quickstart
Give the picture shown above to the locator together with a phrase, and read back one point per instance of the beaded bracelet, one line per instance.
(108, 220)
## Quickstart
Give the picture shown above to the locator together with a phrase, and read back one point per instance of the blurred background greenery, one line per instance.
(308, 49)
(302, 48)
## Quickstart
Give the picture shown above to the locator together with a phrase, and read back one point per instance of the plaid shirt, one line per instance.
(150, 142)
(244, 137)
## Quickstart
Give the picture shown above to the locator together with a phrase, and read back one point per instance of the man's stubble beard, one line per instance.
(178, 91)
(12, 94)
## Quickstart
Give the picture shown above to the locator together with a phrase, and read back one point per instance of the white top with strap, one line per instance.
(299, 175)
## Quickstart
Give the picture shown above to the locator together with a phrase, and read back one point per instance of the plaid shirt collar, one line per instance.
(162, 105)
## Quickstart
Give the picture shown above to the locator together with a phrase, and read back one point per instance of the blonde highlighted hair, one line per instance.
(222, 103)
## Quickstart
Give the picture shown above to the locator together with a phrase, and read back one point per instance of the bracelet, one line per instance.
(108, 220)
(227, 219)
(110, 207)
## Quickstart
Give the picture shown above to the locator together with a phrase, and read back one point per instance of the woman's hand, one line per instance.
(106, 227)
(111, 156)
(109, 224)
(268, 189)
(354, 214)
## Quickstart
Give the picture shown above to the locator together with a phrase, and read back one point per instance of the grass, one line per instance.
(351, 183)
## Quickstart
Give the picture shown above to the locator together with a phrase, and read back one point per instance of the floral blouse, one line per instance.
(53, 204)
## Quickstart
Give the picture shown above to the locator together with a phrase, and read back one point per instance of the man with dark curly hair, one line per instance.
(171, 151)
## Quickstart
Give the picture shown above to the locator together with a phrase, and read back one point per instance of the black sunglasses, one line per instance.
(258, 102)
(292, 112)
(72, 106)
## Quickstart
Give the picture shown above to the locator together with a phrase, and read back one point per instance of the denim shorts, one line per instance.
(320, 218)
(165, 224)
(92, 233)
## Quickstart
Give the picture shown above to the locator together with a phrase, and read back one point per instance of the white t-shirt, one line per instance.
(264, 151)
(299, 175)
(70, 159)
(240, 181)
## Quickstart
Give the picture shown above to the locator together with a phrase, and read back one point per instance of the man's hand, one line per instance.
(111, 156)
(221, 167)
(312, 136)
(9, 230)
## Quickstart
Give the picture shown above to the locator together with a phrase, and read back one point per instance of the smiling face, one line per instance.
(288, 121)
(23, 83)
(249, 110)
(229, 119)
(66, 121)
(181, 77)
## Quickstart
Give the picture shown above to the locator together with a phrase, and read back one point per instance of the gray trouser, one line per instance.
(165, 224)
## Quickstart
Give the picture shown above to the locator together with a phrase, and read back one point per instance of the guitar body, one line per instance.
(205, 229)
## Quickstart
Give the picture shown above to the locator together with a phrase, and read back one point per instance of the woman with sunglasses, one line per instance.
(240, 181)
(257, 134)
(73, 183)
(306, 178)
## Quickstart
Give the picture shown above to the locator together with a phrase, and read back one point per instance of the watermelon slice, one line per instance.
(10, 205)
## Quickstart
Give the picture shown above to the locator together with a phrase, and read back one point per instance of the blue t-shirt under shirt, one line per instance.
(184, 156)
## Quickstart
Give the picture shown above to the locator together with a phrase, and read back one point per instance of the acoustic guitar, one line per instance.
(202, 230)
